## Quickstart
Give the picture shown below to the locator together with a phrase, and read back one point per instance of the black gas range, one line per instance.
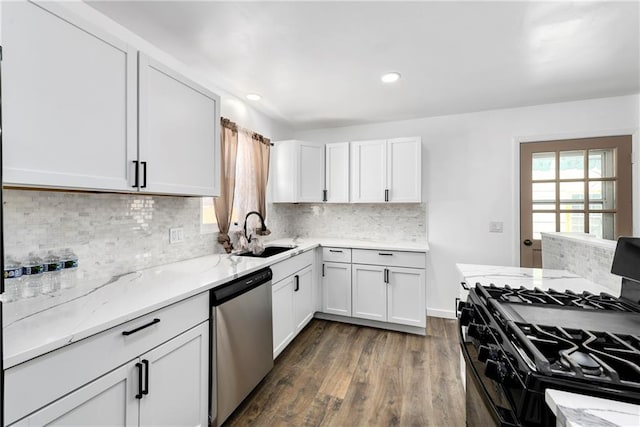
(519, 342)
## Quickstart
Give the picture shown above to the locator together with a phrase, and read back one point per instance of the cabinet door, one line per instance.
(404, 170)
(178, 381)
(108, 401)
(282, 171)
(337, 172)
(283, 325)
(302, 298)
(369, 292)
(336, 288)
(406, 296)
(68, 102)
(368, 171)
(310, 172)
(179, 133)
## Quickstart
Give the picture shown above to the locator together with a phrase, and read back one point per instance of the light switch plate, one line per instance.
(176, 235)
(496, 227)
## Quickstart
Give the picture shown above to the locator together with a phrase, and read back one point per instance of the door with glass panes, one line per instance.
(575, 185)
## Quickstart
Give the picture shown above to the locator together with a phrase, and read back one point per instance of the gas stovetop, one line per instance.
(581, 336)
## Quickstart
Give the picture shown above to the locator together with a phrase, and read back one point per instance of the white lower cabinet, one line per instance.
(152, 370)
(109, 397)
(389, 294)
(336, 288)
(283, 326)
(166, 386)
(292, 299)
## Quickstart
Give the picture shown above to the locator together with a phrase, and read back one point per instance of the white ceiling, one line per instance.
(318, 64)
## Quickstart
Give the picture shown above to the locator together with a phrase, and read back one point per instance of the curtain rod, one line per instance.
(234, 126)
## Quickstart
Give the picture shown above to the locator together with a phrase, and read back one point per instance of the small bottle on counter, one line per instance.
(69, 273)
(53, 266)
(32, 276)
(12, 280)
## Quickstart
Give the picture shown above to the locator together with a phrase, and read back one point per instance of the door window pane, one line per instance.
(543, 192)
(572, 193)
(602, 225)
(571, 164)
(602, 163)
(543, 222)
(572, 222)
(543, 166)
(602, 195)
(551, 206)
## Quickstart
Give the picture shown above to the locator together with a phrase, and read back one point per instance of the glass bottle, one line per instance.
(32, 276)
(12, 280)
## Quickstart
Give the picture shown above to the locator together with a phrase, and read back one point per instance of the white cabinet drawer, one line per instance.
(336, 255)
(38, 382)
(289, 266)
(389, 258)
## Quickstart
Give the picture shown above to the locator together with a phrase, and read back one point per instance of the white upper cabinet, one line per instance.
(337, 172)
(404, 170)
(69, 101)
(80, 111)
(368, 171)
(297, 172)
(386, 171)
(179, 133)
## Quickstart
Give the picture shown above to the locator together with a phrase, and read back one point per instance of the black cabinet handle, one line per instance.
(324, 195)
(144, 175)
(322, 270)
(384, 254)
(135, 181)
(386, 275)
(139, 366)
(297, 285)
(145, 362)
(133, 331)
(464, 286)
(334, 250)
(386, 195)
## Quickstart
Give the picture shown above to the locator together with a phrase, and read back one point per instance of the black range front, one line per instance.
(519, 342)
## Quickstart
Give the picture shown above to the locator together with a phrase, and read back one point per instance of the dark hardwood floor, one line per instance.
(334, 374)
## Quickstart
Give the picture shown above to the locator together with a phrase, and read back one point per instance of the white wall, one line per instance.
(471, 176)
(231, 107)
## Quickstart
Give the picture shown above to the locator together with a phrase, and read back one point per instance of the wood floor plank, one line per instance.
(335, 374)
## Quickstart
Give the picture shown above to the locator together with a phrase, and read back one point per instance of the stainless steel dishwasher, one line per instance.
(241, 341)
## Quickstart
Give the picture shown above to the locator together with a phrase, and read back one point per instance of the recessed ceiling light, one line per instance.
(253, 97)
(390, 77)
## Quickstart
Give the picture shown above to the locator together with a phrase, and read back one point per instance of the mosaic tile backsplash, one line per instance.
(588, 257)
(112, 234)
(352, 221)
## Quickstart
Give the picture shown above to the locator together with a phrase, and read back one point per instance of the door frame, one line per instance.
(515, 182)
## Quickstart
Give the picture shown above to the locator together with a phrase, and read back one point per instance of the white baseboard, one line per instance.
(445, 314)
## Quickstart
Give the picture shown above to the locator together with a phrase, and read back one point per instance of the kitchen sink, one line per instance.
(268, 251)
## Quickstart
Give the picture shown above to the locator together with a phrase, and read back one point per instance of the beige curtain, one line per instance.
(224, 203)
(251, 177)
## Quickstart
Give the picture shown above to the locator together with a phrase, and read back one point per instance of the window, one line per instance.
(208, 223)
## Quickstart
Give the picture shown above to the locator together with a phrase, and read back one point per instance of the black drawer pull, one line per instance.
(335, 250)
(133, 331)
(139, 366)
(135, 182)
(384, 254)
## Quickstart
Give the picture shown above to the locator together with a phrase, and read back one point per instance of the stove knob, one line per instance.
(485, 353)
(479, 332)
(466, 315)
(496, 370)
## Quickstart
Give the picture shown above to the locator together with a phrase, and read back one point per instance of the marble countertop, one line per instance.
(588, 239)
(578, 410)
(35, 326)
(543, 278)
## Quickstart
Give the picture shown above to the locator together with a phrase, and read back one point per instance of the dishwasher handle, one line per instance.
(237, 287)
